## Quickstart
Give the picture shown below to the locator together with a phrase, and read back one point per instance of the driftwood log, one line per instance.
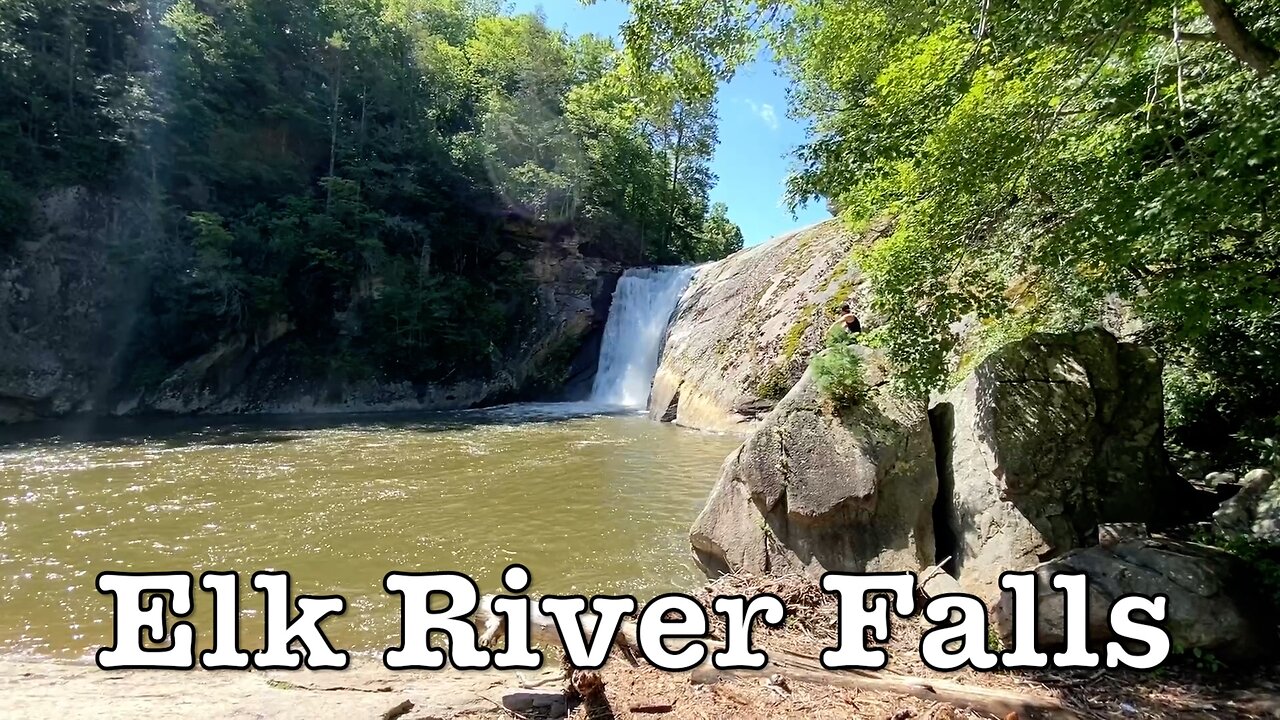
(988, 701)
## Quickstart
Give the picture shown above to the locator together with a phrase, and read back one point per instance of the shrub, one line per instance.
(836, 336)
(837, 372)
(1261, 555)
(1263, 558)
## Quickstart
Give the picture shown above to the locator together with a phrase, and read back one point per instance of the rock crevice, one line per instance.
(1046, 439)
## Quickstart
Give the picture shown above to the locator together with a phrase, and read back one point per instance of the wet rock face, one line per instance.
(66, 308)
(1048, 438)
(813, 490)
(1213, 602)
(747, 327)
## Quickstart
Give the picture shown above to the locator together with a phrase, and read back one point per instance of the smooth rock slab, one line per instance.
(760, 313)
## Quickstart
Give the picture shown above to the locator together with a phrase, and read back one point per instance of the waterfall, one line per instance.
(633, 336)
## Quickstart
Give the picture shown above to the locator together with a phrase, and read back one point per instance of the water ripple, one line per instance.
(589, 499)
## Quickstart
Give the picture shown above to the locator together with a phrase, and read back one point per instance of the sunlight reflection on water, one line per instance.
(590, 498)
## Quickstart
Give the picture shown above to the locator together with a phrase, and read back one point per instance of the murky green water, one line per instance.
(590, 504)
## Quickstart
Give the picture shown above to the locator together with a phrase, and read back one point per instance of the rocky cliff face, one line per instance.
(69, 302)
(257, 375)
(747, 326)
(66, 308)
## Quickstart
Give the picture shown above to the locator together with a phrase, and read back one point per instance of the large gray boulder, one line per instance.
(1214, 602)
(1047, 438)
(816, 490)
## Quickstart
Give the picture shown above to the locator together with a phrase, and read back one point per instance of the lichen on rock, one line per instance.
(748, 326)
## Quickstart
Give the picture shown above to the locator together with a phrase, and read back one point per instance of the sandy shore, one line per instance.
(49, 689)
(53, 689)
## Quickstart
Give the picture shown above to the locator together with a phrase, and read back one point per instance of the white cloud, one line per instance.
(768, 116)
(766, 113)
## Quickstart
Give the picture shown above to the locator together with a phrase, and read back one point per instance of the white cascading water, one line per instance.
(642, 308)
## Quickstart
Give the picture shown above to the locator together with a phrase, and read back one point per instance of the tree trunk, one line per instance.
(71, 65)
(1242, 43)
(424, 260)
(675, 186)
(333, 137)
(364, 114)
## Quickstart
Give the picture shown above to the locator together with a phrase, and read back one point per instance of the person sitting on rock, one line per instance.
(848, 321)
(845, 330)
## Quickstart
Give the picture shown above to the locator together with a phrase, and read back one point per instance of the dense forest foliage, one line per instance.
(1043, 162)
(277, 158)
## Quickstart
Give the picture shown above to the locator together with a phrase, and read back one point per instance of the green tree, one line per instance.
(720, 236)
(341, 167)
(1041, 162)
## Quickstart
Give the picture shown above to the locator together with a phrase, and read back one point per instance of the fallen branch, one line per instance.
(1171, 34)
(989, 701)
(286, 685)
(933, 572)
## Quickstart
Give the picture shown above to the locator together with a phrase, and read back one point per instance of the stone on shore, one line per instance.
(1214, 602)
(1254, 510)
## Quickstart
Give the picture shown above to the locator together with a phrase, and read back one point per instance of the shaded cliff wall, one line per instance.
(67, 294)
(73, 302)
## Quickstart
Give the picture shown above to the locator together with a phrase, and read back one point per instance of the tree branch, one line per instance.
(1242, 43)
(1184, 36)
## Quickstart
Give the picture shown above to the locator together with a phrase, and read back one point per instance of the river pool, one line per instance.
(590, 502)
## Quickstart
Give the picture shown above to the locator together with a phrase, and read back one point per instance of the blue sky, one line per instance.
(756, 136)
